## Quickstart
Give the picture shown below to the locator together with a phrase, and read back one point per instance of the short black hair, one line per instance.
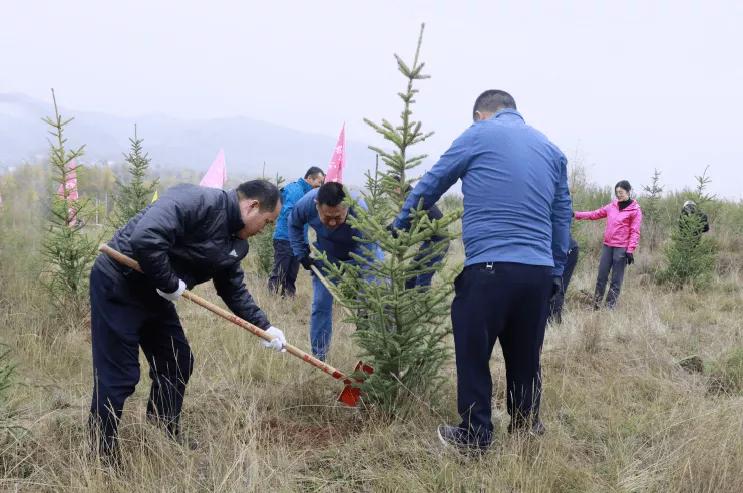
(397, 179)
(265, 192)
(493, 100)
(624, 185)
(314, 171)
(331, 194)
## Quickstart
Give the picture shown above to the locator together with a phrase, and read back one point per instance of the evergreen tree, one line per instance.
(401, 332)
(67, 249)
(135, 195)
(691, 255)
(651, 208)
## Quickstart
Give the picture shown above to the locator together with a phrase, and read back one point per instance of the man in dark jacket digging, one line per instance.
(189, 236)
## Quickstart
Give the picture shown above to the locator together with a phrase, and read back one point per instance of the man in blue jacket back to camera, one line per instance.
(285, 265)
(323, 210)
(516, 230)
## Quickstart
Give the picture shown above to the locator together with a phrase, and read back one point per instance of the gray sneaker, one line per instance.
(457, 437)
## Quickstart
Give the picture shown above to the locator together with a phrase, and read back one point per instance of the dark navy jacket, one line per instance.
(337, 243)
(517, 206)
(189, 233)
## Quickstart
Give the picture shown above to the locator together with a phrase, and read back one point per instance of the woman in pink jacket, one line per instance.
(622, 234)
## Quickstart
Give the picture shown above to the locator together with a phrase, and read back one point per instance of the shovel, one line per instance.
(351, 393)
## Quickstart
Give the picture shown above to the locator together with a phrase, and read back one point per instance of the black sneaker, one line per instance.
(454, 436)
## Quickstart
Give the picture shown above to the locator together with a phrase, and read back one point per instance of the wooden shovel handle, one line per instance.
(255, 330)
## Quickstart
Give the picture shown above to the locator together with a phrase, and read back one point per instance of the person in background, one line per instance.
(285, 265)
(700, 226)
(423, 280)
(621, 237)
(516, 231)
(557, 301)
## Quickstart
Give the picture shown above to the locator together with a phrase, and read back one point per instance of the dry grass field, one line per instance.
(622, 414)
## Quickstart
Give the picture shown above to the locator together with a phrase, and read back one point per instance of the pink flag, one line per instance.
(338, 160)
(216, 176)
(70, 183)
(69, 190)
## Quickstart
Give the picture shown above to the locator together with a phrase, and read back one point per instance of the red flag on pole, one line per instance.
(338, 159)
(216, 176)
(68, 190)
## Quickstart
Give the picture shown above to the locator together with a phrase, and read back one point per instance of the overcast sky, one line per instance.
(621, 86)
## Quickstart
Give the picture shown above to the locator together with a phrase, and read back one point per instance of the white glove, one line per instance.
(278, 342)
(175, 294)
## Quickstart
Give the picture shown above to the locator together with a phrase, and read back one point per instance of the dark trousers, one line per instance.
(424, 279)
(558, 301)
(124, 317)
(614, 260)
(285, 269)
(508, 302)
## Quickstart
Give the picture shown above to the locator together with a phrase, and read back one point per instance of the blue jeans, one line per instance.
(321, 322)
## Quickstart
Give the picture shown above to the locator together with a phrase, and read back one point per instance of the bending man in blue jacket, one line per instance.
(323, 210)
(516, 229)
(188, 236)
(285, 264)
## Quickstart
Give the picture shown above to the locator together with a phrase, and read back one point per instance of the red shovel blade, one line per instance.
(351, 394)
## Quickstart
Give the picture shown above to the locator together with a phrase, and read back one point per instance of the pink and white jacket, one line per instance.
(622, 227)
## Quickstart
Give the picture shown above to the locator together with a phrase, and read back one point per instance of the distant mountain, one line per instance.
(175, 142)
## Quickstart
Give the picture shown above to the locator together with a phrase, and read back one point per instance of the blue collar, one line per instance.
(305, 186)
(507, 114)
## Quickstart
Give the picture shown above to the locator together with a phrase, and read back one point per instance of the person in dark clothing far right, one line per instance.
(701, 225)
(557, 301)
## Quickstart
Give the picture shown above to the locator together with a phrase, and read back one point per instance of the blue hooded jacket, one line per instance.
(290, 195)
(337, 243)
(517, 205)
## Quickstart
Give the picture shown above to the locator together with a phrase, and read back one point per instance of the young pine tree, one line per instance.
(67, 250)
(136, 194)
(691, 255)
(400, 331)
(651, 210)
